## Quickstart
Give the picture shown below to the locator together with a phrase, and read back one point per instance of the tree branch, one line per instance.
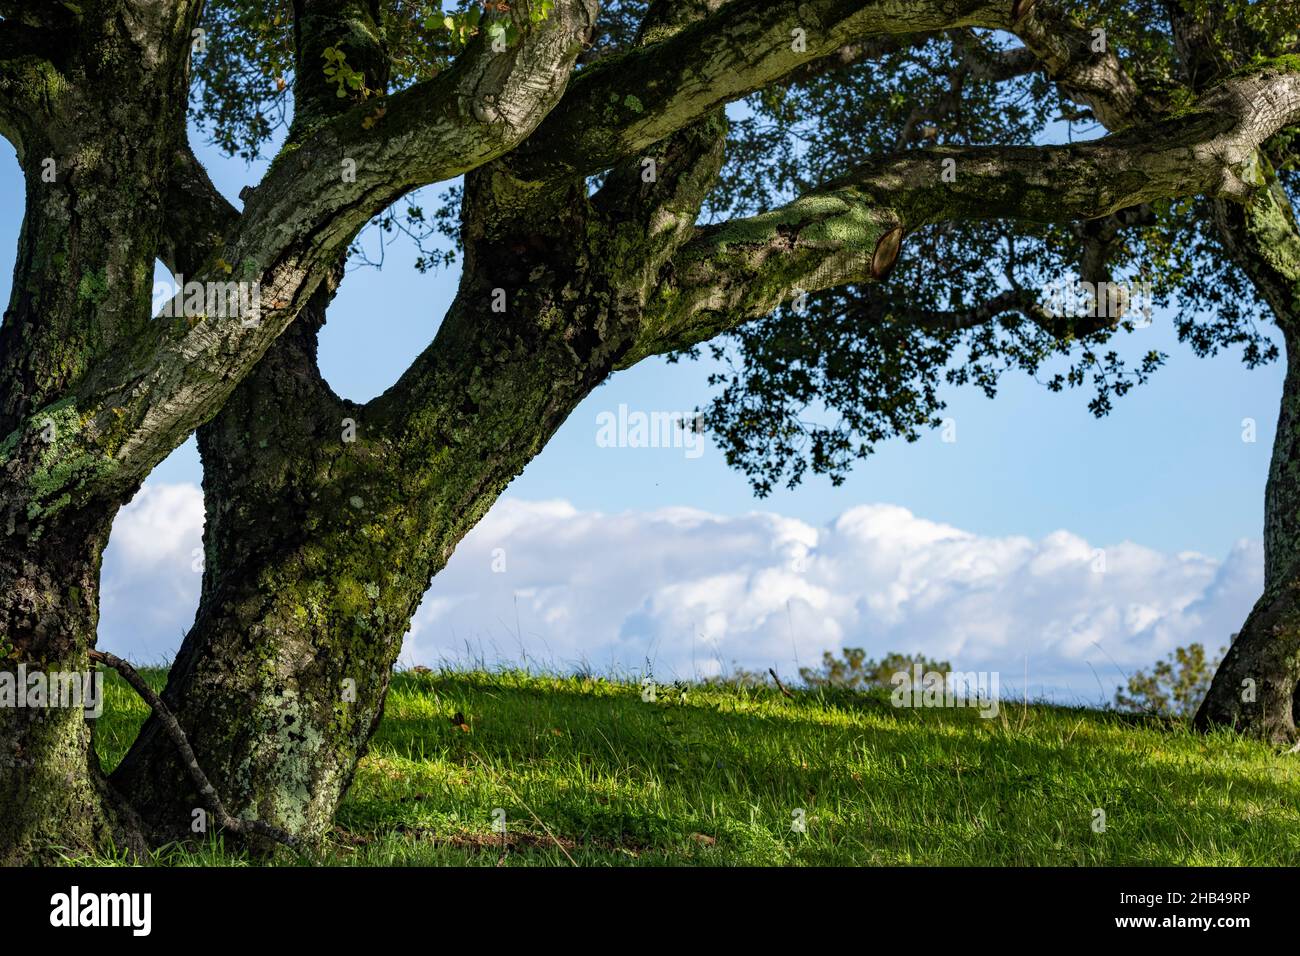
(199, 217)
(620, 106)
(1262, 235)
(1094, 77)
(350, 26)
(1010, 300)
(871, 48)
(1263, 239)
(604, 251)
(29, 59)
(139, 401)
(849, 230)
(207, 792)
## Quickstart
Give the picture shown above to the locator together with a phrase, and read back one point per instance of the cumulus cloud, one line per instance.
(695, 593)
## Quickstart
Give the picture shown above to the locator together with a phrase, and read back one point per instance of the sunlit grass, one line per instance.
(585, 771)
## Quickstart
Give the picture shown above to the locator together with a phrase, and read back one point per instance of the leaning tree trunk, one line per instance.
(325, 523)
(279, 680)
(1255, 687)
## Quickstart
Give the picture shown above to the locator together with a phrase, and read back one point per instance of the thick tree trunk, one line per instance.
(95, 127)
(53, 799)
(321, 547)
(280, 681)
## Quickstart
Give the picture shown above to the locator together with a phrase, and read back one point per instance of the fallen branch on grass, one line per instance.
(206, 791)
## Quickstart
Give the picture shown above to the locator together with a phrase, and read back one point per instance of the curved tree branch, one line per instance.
(848, 231)
(1084, 66)
(622, 105)
(1011, 300)
(141, 399)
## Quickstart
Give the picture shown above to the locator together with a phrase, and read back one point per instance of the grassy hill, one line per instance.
(589, 773)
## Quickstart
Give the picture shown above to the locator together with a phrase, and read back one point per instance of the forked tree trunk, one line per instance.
(280, 681)
(320, 547)
(325, 523)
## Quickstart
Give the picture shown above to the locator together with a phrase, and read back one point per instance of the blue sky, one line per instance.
(1167, 471)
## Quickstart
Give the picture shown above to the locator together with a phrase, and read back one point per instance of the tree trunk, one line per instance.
(280, 681)
(321, 547)
(1254, 690)
(53, 799)
(94, 136)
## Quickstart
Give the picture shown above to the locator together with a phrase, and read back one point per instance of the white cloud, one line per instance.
(697, 592)
(149, 586)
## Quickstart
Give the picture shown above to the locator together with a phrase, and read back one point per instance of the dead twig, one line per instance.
(206, 791)
(779, 685)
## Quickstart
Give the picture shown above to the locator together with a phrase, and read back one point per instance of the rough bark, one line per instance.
(82, 284)
(54, 801)
(92, 391)
(320, 549)
(1256, 689)
(147, 392)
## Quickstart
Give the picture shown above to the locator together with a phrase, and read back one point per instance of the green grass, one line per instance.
(587, 772)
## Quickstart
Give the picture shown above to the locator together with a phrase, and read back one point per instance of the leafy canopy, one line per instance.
(819, 384)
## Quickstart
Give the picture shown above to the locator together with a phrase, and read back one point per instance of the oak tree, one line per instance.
(856, 202)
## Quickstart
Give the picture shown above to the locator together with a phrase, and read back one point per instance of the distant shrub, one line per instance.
(854, 671)
(738, 676)
(1174, 688)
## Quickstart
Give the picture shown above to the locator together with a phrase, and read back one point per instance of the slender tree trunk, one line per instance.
(1254, 689)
